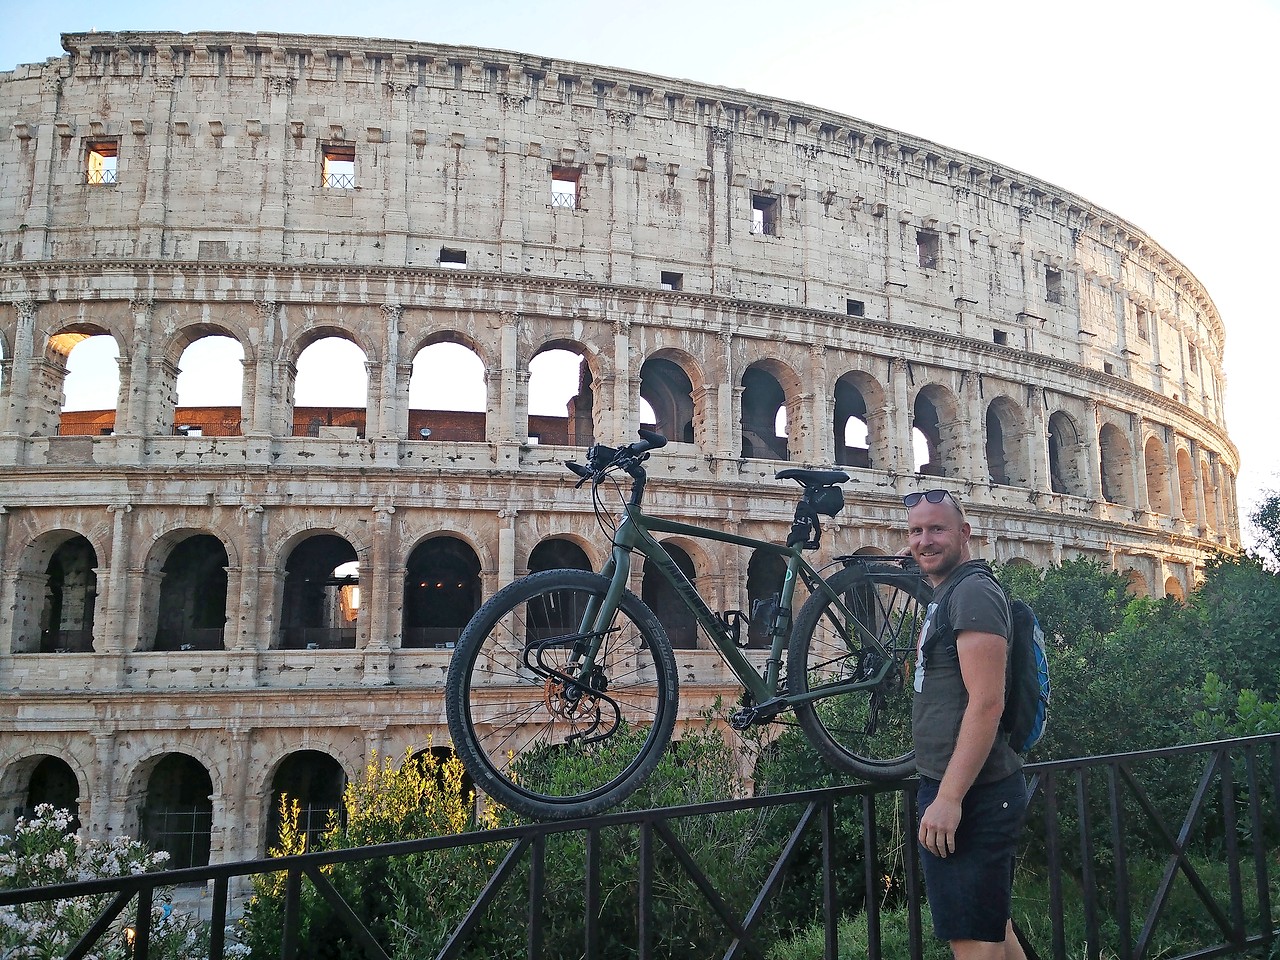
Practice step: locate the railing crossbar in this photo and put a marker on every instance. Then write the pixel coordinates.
(100, 925)
(699, 878)
(373, 950)
(499, 876)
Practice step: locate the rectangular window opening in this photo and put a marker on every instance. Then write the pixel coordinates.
(564, 187)
(1108, 367)
(1144, 325)
(855, 308)
(1001, 337)
(455, 259)
(1192, 359)
(764, 214)
(1053, 285)
(339, 169)
(928, 247)
(100, 162)
(672, 281)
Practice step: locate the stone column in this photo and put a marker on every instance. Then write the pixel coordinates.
(241, 843)
(110, 630)
(818, 442)
(1093, 454)
(244, 640)
(100, 818)
(507, 417)
(1037, 442)
(728, 421)
(15, 387)
(261, 398)
(135, 380)
(1137, 466)
(896, 421)
(375, 598)
(506, 571)
(620, 420)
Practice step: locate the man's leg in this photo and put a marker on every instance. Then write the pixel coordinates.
(1011, 949)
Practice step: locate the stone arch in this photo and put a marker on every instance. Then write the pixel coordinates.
(176, 789)
(870, 552)
(679, 622)
(456, 418)
(1173, 588)
(1187, 486)
(56, 594)
(316, 600)
(1116, 463)
(40, 775)
(1008, 462)
(859, 397)
(934, 413)
(769, 389)
(1067, 456)
(674, 395)
(185, 588)
(558, 552)
(335, 420)
(1137, 582)
(1156, 464)
(201, 419)
(315, 780)
(577, 427)
(50, 410)
(442, 590)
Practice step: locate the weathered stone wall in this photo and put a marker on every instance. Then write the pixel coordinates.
(1063, 351)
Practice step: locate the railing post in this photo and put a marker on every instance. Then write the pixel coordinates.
(1124, 920)
(591, 898)
(1261, 862)
(1055, 863)
(830, 899)
(292, 913)
(911, 868)
(871, 877)
(1226, 773)
(537, 878)
(1088, 879)
(645, 893)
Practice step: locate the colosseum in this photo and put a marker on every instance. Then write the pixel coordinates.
(203, 606)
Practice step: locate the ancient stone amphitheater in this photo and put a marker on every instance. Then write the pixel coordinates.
(202, 607)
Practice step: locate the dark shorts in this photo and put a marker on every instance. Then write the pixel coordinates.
(970, 890)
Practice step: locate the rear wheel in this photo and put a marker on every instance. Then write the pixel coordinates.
(866, 732)
(538, 733)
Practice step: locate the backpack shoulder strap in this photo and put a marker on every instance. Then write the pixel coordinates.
(941, 625)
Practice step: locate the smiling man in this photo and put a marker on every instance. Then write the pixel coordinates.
(972, 794)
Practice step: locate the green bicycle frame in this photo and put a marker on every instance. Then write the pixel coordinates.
(635, 533)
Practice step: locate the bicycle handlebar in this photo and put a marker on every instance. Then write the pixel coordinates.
(601, 459)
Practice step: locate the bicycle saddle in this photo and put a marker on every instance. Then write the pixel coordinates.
(812, 478)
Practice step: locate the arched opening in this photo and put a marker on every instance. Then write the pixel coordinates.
(560, 399)
(763, 415)
(1187, 487)
(1137, 583)
(177, 815)
(1007, 460)
(1066, 474)
(1173, 588)
(331, 390)
(435, 759)
(1117, 472)
(850, 426)
(210, 388)
(765, 574)
(315, 781)
(655, 590)
(84, 386)
(669, 392)
(53, 782)
(1155, 464)
(193, 596)
(441, 592)
(926, 425)
(447, 394)
(321, 599)
(71, 593)
(558, 554)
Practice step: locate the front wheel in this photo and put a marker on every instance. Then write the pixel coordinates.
(868, 731)
(540, 729)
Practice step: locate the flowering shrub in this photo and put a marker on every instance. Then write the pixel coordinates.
(41, 853)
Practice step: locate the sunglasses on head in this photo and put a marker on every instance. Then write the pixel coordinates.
(932, 496)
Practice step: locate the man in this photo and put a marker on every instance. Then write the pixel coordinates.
(972, 794)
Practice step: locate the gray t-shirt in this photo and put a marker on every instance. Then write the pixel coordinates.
(977, 603)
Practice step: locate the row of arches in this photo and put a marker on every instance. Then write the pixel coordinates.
(320, 593)
(172, 794)
(1005, 441)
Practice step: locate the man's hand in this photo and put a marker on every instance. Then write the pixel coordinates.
(938, 826)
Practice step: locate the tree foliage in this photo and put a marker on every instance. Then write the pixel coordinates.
(1266, 524)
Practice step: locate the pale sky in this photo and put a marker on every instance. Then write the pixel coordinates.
(1164, 113)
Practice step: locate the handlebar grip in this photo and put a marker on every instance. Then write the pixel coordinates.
(579, 469)
(650, 440)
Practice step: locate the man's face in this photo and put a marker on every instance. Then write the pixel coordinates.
(938, 538)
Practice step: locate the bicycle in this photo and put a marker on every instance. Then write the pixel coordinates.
(571, 661)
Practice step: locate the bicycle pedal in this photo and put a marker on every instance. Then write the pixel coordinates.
(742, 719)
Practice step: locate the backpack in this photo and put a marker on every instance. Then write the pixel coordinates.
(1027, 688)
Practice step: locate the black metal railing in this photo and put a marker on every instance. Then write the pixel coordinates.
(1111, 835)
